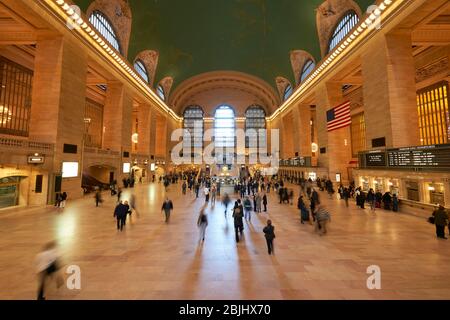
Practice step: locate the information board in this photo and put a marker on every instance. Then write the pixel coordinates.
(376, 159)
(420, 157)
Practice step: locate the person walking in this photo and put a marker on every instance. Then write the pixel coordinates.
(441, 221)
(258, 202)
(184, 187)
(62, 205)
(269, 234)
(167, 207)
(346, 195)
(395, 202)
(98, 198)
(206, 192)
(202, 223)
(119, 194)
(264, 201)
(247, 209)
(226, 202)
(213, 194)
(304, 213)
(133, 206)
(120, 213)
(371, 199)
(238, 220)
(57, 200)
(47, 263)
(323, 217)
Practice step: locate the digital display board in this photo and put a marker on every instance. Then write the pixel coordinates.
(427, 157)
(296, 162)
(420, 157)
(376, 159)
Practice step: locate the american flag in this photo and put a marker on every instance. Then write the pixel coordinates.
(339, 117)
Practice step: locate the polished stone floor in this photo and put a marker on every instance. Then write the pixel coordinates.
(152, 260)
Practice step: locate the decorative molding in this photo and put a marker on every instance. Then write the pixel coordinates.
(282, 83)
(432, 69)
(150, 59)
(119, 14)
(328, 15)
(298, 60)
(167, 84)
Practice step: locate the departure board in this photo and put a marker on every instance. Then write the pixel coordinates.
(426, 157)
(437, 156)
(376, 159)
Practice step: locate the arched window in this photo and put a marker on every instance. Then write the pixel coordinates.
(224, 126)
(141, 70)
(193, 123)
(102, 24)
(345, 25)
(307, 68)
(287, 92)
(255, 118)
(161, 93)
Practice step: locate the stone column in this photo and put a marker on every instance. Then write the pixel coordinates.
(117, 117)
(302, 118)
(337, 143)
(144, 125)
(58, 104)
(390, 105)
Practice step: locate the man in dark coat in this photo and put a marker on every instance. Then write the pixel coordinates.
(238, 214)
(440, 220)
(269, 234)
(120, 213)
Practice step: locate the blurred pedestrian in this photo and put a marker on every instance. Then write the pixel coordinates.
(269, 234)
(47, 266)
(167, 207)
(202, 223)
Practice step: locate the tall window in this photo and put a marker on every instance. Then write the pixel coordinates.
(93, 121)
(347, 23)
(255, 118)
(224, 125)
(193, 119)
(434, 121)
(307, 68)
(358, 130)
(141, 70)
(15, 98)
(102, 24)
(287, 92)
(161, 93)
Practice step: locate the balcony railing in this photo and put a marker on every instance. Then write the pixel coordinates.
(102, 152)
(25, 145)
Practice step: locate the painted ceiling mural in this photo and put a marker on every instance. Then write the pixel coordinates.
(197, 36)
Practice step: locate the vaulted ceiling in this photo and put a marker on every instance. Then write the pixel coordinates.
(250, 36)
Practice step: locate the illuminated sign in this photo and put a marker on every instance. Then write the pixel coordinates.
(70, 169)
(126, 167)
(36, 159)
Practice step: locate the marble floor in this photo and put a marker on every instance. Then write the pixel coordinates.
(152, 260)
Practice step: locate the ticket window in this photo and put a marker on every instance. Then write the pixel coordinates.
(365, 184)
(436, 193)
(412, 190)
(394, 187)
(379, 185)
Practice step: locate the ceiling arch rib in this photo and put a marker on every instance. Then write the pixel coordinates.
(224, 87)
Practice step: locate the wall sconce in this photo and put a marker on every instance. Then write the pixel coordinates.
(134, 138)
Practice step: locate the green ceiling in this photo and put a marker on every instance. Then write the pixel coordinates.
(196, 36)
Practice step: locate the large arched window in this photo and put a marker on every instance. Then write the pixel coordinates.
(161, 93)
(224, 126)
(255, 118)
(287, 92)
(141, 70)
(102, 24)
(345, 25)
(307, 69)
(193, 123)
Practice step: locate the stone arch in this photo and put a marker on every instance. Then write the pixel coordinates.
(150, 59)
(119, 14)
(282, 83)
(328, 15)
(298, 60)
